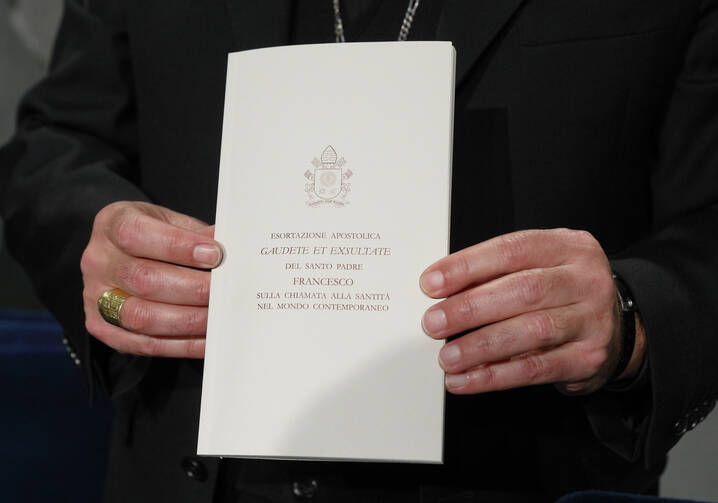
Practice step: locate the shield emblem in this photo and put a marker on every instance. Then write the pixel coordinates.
(327, 182)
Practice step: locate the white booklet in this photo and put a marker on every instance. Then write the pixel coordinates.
(334, 195)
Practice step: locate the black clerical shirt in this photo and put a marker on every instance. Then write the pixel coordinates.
(363, 20)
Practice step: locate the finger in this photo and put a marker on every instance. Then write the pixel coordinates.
(173, 217)
(560, 364)
(503, 255)
(516, 336)
(155, 318)
(141, 235)
(140, 344)
(501, 299)
(160, 281)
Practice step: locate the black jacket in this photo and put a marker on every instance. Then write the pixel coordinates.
(593, 114)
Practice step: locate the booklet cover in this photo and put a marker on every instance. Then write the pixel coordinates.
(334, 195)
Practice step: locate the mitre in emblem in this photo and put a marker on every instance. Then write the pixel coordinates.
(329, 156)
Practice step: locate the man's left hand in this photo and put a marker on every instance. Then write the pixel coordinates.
(537, 307)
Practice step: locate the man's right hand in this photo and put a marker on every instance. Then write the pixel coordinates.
(162, 258)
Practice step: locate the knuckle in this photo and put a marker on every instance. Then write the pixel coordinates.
(189, 347)
(137, 317)
(599, 283)
(126, 229)
(607, 288)
(589, 246)
(115, 206)
(105, 215)
(101, 218)
(461, 268)
(467, 309)
(109, 218)
(511, 247)
(542, 328)
(202, 288)
(607, 325)
(535, 368)
(531, 287)
(193, 348)
(595, 360)
(194, 321)
(564, 233)
(603, 320)
(140, 277)
(177, 241)
(198, 321)
(150, 346)
(483, 344)
(581, 237)
(576, 237)
(90, 301)
(87, 261)
(495, 343)
(486, 377)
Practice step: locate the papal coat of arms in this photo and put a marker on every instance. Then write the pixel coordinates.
(328, 184)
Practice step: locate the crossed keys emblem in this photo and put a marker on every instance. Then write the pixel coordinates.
(327, 184)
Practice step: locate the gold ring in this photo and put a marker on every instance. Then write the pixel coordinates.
(110, 303)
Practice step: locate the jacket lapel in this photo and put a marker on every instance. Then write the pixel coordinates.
(256, 24)
(472, 25)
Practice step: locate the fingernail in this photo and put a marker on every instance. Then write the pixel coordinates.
(456, 381)
(432, 281)
(450, 354)
(207, 255)
(433, 321)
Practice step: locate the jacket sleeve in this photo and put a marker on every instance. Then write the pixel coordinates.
(74, 152)
(673, 273)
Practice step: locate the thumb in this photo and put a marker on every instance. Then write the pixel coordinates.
(207, 231)
(174, 218)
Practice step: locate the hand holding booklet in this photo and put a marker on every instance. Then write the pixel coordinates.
(334, 195)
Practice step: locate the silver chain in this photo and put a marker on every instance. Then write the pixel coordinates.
(403, 31)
